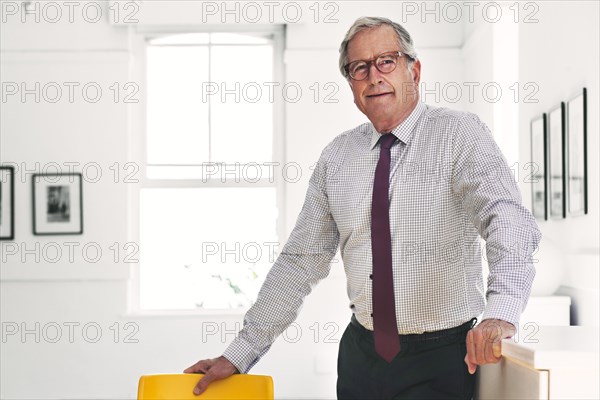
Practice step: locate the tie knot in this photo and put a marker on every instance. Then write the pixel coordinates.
(387, 140)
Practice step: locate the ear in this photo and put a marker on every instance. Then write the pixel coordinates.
(416, 71)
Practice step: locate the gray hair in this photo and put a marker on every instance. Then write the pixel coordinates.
(363, 23)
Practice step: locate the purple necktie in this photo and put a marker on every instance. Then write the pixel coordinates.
(387, 343)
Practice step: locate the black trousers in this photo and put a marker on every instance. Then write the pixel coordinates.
(429, 366)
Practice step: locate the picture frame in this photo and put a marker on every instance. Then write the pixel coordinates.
(557, 165)
(539, 165)
(577, 154)
(7, 203)
(57, 204)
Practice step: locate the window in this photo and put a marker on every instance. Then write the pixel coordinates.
(208, 202)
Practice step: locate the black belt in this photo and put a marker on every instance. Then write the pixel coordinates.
(446, 334)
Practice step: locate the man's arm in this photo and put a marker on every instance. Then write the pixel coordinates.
(491, 198)
(302, 263)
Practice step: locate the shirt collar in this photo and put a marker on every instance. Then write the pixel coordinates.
(403, 131)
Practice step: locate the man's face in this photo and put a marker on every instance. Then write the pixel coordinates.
(386, 99)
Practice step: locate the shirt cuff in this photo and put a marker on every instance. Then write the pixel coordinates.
(241, 355)
(503, 307)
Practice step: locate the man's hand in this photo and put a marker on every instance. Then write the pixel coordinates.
(484, 342)
(213, 370)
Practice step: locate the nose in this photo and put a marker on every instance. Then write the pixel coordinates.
(374, 75)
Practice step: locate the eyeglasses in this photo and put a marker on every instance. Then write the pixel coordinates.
(385, 63)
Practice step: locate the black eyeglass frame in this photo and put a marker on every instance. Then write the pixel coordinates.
(372, 61)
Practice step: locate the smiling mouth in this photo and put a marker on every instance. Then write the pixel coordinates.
(378, 95)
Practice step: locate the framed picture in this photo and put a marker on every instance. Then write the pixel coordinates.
(577, 154)
(7, 203)
(539, 165)
(57, 204)
(556, 150)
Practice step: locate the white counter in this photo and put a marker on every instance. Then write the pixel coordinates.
(550, 347)
(545, 362)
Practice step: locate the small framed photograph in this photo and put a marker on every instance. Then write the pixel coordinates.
(7, 203)
(57, 204)
(539, 166)
(557, 165)
(577, 154)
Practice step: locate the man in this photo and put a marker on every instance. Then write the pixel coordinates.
(405, 197)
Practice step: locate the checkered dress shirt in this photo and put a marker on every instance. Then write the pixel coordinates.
(449, 185)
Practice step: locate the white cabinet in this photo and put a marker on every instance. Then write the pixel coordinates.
(511, 380)
(556, 362)
(547, 359)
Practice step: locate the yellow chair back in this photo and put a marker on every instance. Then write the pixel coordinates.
(181, 387)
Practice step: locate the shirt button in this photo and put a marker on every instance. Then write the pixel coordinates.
(352, 306)
(371, 276)
(371, 315)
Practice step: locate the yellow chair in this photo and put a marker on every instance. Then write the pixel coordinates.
(181, 387)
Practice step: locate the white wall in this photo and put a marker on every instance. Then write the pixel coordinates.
(568, 255)
(560, 55)
(81, 292)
